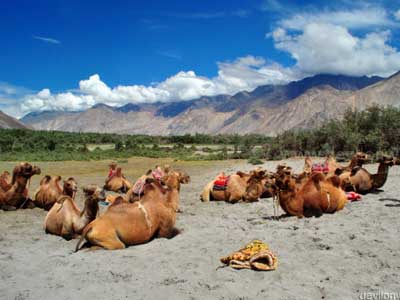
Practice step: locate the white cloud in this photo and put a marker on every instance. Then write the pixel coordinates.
(328, 48)
(245, 73)
(46, 39)
(397, 15)
(352, 19)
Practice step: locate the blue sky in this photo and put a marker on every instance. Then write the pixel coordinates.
(69, 55)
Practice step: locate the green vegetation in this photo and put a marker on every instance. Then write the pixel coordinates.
(374, 130)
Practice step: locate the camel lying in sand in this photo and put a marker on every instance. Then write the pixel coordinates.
(67, 220)
(239, 186)
(171, 178)
(125, 224)
(50, 190)
(361, 181)
(118, 183)
(17, 195)
(317, 196)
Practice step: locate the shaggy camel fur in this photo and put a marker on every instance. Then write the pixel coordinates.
(118, 183)
(5, 181)
(125, 224)
(50, 190)
(317, 196)
(67, 220)
(17, 195)
(361, 181)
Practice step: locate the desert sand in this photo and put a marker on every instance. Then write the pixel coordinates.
(337, 256)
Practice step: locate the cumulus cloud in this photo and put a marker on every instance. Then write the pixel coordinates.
(352, 19)
(245, 73)
(329, 48)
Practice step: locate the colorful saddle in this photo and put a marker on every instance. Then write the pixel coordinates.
(255, 255)
(221, 183)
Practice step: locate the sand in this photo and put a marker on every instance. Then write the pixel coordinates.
(337, 256)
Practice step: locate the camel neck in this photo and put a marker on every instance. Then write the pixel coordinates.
(379, 179)
(21, 183)
(91, 208)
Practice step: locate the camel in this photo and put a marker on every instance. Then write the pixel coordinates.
(125, 224)
(67, 220)
(17, 195)
(361, 181)
(5, 181)
(234, 192)
(317, 196)
(118, 183)
(358, 159)
(180, 177)
(50, 190)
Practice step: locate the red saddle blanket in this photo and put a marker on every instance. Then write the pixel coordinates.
(221, 183)
(320, 168)
(352, 196)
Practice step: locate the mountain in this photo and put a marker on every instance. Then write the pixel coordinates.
(268, 109)
(8, 122)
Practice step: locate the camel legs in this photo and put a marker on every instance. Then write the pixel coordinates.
(107, 240)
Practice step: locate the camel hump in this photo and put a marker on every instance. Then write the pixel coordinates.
(355, 170)
(317, 178)
(339, 171)
(240, 173)
(335, 180)
(119, 200)
(45, 179)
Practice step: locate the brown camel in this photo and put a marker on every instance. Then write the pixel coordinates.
(125, 224)
(67, 220)
(50, 190)
(317, 196)
(358, 159)
(361, 181)
(234, 192)
(17, 195)
(118, 183)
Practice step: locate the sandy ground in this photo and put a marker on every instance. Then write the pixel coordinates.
(336, 256)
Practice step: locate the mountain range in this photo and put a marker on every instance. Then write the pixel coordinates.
(7, 122)
(269, 109)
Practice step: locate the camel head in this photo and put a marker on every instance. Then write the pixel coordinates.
(360, 158)
(25, 170)
(387, 160)
(70, 187)
(284, 180)
(255, 186)
(174, 179)
(94, 192)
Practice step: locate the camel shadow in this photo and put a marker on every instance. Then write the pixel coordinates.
(391, 204)
(273, 218)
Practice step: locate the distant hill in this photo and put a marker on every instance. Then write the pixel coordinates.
(268, 109)
(8, 122)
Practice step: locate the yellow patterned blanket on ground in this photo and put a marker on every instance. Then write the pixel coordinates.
(255, 255)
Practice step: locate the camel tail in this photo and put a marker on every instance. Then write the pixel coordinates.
(87, 229)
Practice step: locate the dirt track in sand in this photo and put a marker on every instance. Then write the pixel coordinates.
(333, 257)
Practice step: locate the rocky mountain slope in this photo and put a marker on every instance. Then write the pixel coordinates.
(7, 122)
(268, 109)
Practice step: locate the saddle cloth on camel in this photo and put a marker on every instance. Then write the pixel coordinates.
(255, 255)
(138, 186)
(221, 183)
(320, 168)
